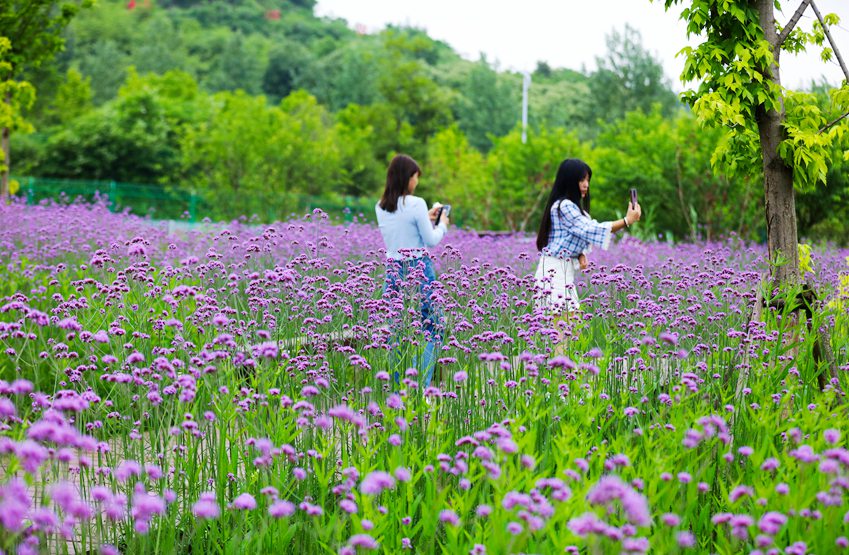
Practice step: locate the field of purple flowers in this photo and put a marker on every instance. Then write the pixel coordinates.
(229, 390)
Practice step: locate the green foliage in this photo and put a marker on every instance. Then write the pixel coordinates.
(562, 104)
(242, 16)
(73, 98)
(371, 96)
(105, 63)
(734, 69)
(487, 106)
(281, 149)
(100, 41)
(461, 177)
(669, 161)
(629, 78)
(346, 76)
(227, 171)
(523, 172)
(311, 166)
(288, 67)
(161, 46)
(31, 33)
(28, 150)
(34, 29)
(237, 62)
(118, 141)
(136, 137)
(368, 136)
(16, 95)
(822, 211)
(408, 85)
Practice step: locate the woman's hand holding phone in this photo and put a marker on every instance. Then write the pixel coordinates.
(439, 214)
(434, 210)
(443, 213)
(634, 211)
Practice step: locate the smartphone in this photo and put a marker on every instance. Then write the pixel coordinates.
(446, 208)
(633, 198)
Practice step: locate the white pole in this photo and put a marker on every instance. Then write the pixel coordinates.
(526, 83)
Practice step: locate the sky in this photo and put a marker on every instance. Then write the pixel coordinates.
(571, 33)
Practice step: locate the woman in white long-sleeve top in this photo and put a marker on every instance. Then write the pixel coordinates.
(407, 227)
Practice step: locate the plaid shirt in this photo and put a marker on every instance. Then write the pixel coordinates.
(572, 232)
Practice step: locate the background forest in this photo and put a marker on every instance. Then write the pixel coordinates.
(250, 103)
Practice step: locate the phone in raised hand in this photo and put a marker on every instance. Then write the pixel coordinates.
(446, 209)
(633, 198)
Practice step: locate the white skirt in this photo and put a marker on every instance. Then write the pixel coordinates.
(555, 284)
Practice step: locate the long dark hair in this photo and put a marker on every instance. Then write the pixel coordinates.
(569, 174)
(398, 175)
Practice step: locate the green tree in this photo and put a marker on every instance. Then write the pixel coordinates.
(160, 46)
(737, 66)
(18, 96)
(280, 151)
(228, 173)
(628, 78)
(347, 75)
(367, 138)
(100, 43)
(562, 104)
(406, 82)
(487, 106)
(523, 172)
(668, 160)
(459, 175)
(105, 64)
(135, 138)
(822, 210)
(239, 64)
(72, 98)
(560, 97)
(311, 162)
(288, 66)
(33, 29)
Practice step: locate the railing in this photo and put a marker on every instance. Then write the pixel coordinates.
(168, 203)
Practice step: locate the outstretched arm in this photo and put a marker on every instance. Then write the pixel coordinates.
(632, 217)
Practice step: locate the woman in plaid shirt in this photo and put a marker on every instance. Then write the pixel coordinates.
(566, 234)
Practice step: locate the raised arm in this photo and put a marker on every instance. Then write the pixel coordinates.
(631, 217)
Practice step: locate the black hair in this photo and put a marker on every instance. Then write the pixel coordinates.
(398, 175)
(570, 173)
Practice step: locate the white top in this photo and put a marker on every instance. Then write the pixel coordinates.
(408, 228)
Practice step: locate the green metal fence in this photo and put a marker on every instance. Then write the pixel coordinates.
(167, 203)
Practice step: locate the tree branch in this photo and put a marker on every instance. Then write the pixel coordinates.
(831, 41)
(793, 21)
(832, 124)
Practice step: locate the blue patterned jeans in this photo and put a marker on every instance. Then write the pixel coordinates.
(415, 276)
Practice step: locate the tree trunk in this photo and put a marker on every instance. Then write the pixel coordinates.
(780, 198)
